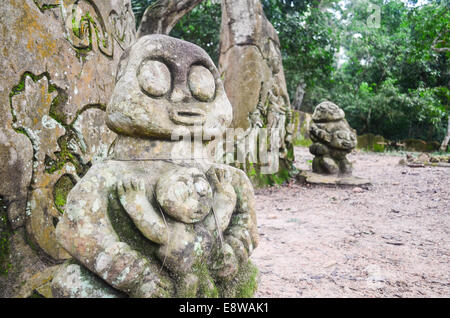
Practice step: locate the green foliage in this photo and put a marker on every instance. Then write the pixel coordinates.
(309, 38)
(139, 7)
(390, 76)
(391, 81)
(202, 27)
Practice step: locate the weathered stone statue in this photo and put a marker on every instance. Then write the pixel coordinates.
(251, 65)
(333, 139)
(150, 223)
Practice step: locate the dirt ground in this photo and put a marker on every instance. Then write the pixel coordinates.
(391, 239)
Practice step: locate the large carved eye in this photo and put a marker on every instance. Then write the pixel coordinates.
(154, 78)
(202, 83)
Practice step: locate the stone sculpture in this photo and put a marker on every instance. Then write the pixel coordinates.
(251, 65)
(150, 225)
(332, 138)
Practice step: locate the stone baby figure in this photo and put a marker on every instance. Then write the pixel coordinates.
(186, 196)
(142, 221)
(333, 139)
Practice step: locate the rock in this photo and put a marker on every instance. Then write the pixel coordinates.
(333, 139)
(74, 281)
(156, 220)
(58, 71)
(371, 142)
(423, 158)
(321, 179)
(420, 145)
(251, 64)
(434, 159)
(357, 190)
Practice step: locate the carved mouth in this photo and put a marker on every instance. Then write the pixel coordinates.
(188, 117)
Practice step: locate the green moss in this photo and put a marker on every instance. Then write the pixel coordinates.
(20, 87)
(248, 279)
(303, 142)
(5, 234)
(206, 286)
(57, 104)
(125, 228)
(35, 294)
(61, 190)
(45, 7)
(244, 285)
(65, 156)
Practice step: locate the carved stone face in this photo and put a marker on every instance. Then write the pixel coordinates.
(185, 194)
(163, 83)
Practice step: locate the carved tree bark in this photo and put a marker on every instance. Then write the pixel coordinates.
(161, 16)
(446, 140)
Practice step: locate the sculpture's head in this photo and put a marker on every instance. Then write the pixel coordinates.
(343, 139)
(327, 111)
(185, 194)
(163, 83)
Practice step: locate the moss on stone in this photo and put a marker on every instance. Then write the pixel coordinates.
(35, 294)
(244, 285)
(45, 7)
(61, 191)
(127, 231)
(5, 234)
(57, 105)
(248, 281)
(65, 156)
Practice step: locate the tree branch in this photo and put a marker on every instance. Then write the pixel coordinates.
(161, 16)
(436, 42)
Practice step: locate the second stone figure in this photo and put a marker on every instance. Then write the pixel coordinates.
(333, 139)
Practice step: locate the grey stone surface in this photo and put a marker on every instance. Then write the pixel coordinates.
(58, 68)
(74, 281)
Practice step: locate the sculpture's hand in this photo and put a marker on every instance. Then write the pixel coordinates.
(224, 201)
(217, 177)
(132, 194)
(242, 234)
(133, 197)
(221, 181)
(321, 134)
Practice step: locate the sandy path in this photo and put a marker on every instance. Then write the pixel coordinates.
(391, 240)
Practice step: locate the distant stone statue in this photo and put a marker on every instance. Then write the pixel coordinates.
(332, 138)
(148, 224)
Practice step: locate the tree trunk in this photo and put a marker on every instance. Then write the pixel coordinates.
(161, 16)
(444, 144)
(299, 94)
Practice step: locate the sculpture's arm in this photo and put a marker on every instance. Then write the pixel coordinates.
(87, 234)
(132, 196)
(224, 199)
(320, 134)
(242, 233)
(263, 99)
